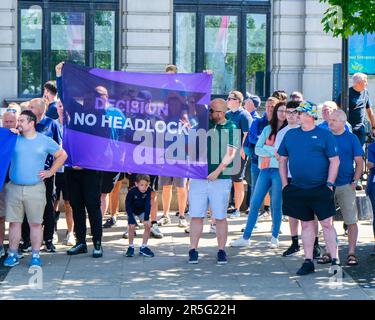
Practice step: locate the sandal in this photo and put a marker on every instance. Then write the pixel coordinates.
(324, 259)
(351, 260)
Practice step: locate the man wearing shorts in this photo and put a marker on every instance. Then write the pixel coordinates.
(214, 191)
(167, 183)
(349, 151)
(26, 191)
(310, 192)
(242, 120)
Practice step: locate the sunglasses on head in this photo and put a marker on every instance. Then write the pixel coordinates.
(11, 110)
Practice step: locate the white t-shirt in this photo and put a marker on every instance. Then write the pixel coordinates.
(279, 138)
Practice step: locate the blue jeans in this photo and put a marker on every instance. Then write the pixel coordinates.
(268, 178)
(254, 173)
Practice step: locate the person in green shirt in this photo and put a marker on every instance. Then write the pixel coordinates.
(223, 142)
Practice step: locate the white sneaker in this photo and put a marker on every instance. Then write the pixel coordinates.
(182, 223)
(235, 214)
(164, 220)
(2, 252)
(274, 243)
(70, 240)
(155, 232)
(212, 228)
(240, 242)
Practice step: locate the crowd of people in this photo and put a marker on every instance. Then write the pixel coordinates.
(292, 166)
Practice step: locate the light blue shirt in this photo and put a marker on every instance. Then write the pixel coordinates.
(29, 157)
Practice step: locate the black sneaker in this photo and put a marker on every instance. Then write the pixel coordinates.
(49, 247)
(193, 256)
(317, 252)
(97, 252)
(306, 268)
(222, 257)
(146, 251)
(291, 250)
(25, 247)
(130, 252)
(110, 222)
(77, 249)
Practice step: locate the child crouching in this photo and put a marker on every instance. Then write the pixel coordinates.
(138, 203)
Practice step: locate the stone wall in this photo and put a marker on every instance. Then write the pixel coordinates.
(146, 35)
(8, 49)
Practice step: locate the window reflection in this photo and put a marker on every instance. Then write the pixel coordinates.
(185, 41)
(256, 53)
(105, 40)
(67, 38)
(221, 52)
(31, 51)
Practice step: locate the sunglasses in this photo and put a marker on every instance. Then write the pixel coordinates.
(213, 111)
(292, 112)
(230, 98)
(11, 110)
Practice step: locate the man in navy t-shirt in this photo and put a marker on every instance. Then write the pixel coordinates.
(350, 151)
(359, 101)
(313, 163)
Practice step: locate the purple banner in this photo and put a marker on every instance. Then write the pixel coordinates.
(136, 122)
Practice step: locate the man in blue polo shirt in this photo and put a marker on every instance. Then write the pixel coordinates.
(26, 191)
(349, 151)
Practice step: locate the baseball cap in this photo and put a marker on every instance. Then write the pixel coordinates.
(254, 98)
(309, 108)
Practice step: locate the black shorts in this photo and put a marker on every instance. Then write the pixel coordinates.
(154, 181)
(241, 175)
(109, 180)
(61, 185)
(303, 204)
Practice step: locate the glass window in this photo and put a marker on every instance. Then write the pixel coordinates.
(185, 41)
(256, 53)
(220, 52)
(31, 51)
(67, 38)
(104, 46)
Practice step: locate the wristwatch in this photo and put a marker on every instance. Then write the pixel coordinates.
(330, 184)
(356, 181)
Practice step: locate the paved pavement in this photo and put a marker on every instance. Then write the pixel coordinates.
(251, 273)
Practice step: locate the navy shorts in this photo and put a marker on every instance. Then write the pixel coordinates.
(142, 217)
(303, 204)
(61, 185)
(109, 180)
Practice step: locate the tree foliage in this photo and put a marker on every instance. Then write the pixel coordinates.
(347, 17)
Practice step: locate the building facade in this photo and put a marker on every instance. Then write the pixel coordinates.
(253, 45)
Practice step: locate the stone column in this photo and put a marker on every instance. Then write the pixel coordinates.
(8, 49)
(322, 50)
(288, 41)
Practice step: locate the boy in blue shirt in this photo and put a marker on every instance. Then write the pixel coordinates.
(138, 203)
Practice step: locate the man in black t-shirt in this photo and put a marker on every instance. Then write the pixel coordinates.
(359, 101)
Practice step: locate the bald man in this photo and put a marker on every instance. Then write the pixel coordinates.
(50, 128)
(9, 121)
(214, 191)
